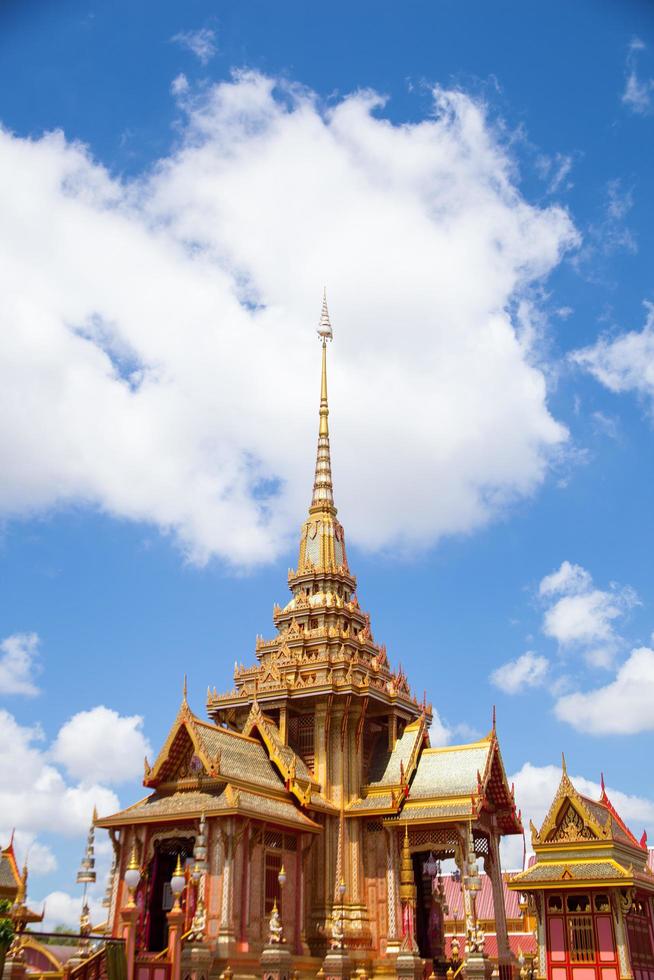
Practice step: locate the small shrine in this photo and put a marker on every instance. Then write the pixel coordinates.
(590, 889)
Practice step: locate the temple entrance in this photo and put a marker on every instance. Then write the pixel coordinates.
(430, 920)
(159, 898)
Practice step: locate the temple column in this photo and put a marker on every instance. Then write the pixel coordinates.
(245, 888)
(408, 964)
(541, 933)
(128, 916)
(461, 858)
(393, 937)
(226, 936)
(503, 947)
(175, 920)
(621, 938)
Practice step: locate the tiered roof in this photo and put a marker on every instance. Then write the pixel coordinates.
(324, 649)
(584, 842)
(10, 877)
(206, 769)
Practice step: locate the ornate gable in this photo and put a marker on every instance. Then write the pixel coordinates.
(571, 826)
(183, 755)
(568, 819)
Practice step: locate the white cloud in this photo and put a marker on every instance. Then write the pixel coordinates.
(19, 664)
(608, 235)
(40, 857)
(624, 363)
(158, 358)
(638, 93)
(34, 796)
(439, 732)
(101, 746)
(556, 170)
(201, 43)
(535, 787)
(583, 617)
(179, 85)
(623, 707)
(568, 580)
(63, 909)
(528, 670)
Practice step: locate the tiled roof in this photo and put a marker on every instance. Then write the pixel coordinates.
(242, 759)
(435, 809)
(379, 801)
(548, 871)
(449, 771)
(524, 942)
(195, 802)
(485, 906)
(385, 767)
(9, 875)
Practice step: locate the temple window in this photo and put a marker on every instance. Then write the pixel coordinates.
(554, 903)
(313, 624)
(581, 938)
(578, 903)
(273, 892)
(301, 737)
(602, 903)
(638, 935)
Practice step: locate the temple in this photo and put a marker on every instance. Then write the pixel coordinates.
(309, 804)
(301, 829)
(590, 888)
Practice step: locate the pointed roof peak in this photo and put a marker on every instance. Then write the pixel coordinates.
(323, 491)
(324, 326)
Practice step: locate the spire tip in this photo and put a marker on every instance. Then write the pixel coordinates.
(324, 326)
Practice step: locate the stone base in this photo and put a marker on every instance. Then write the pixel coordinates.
(14, 970)
(276, 962)
(408, 965)
(337, 965)
(477, 967)
(196, 961)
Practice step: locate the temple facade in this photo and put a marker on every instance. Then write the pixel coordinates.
(308, 804)
(590, 888)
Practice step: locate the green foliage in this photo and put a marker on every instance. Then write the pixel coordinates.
(6, 925)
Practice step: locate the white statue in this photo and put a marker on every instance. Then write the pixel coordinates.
(338, 933)
(275, 927)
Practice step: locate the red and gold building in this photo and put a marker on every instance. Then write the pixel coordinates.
(311, 787)
(590, 888)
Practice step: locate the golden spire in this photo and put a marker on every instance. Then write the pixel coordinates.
(323, 491)
(322, 545)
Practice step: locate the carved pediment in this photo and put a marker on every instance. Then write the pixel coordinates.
(571, 827)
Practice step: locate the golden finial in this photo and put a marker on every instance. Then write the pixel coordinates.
(133, 864)
(184, 690)
(179, 870)
(564, 768)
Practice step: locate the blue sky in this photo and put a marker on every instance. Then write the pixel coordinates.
(486, 237)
